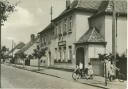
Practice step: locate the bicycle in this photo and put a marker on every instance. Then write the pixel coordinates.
(120, 76)
(77, 74)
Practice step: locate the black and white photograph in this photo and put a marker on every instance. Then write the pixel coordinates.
(63, 44)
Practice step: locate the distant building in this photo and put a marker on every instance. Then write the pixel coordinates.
(16, 48)
(28, 48)
(82, 31)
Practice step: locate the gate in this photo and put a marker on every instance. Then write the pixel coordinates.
(98, 66)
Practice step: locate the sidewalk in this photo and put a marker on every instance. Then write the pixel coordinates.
(97, 81)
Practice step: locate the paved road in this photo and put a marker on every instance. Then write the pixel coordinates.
(18, 78)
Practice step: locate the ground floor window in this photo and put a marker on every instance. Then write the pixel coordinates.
(70, 53)
(63, 54)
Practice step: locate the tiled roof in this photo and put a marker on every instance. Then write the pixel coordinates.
(91, 35)
(47, 27)
(96, 6)
(120, 6)
(18, 46)
(89, 4)
(27, 46)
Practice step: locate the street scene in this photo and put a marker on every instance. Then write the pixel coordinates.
(63, 44)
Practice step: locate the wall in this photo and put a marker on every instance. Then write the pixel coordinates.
(121, 32)
(43, 62)
(70, 40)
(99, 23)
(30, 51)
(94, 50)
(82, 24)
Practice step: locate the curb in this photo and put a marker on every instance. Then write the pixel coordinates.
(104, 87)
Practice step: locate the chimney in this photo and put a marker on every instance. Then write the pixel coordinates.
(32, 37)
(68, 4)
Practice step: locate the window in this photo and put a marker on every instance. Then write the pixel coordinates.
(56, 29)
(56, 54)
(65, 25)
(59, 29)
(45, 39)
(70, 24)
(64, 50)
(60, 51)
(70, 54)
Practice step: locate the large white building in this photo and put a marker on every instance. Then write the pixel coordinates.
(82, 31)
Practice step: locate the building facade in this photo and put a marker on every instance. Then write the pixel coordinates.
(80, 33)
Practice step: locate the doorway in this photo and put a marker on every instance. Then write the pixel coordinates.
(80, 56)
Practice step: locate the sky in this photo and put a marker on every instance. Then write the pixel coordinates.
(30, 17)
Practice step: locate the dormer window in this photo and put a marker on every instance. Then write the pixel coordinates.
(68, 4)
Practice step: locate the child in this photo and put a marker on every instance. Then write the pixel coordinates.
(90, 70)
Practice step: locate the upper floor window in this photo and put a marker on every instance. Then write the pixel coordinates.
(55, 30)
(59, 29)
(45, 39)
(70, 24)
(65, 24)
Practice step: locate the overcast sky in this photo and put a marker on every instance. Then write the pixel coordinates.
(31, 16)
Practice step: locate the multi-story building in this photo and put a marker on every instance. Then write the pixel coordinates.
(82, 31)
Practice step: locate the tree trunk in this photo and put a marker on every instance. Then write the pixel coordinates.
(23, 62)
(38, 64)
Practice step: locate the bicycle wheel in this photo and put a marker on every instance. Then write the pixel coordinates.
(121, 77)
(75, 76)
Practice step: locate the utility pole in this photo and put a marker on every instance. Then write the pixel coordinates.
(114, 49)
(51, 13)
(12, 49)
(0, 48)
(114, 32)
(51, 30)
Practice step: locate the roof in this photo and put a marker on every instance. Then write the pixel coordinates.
(18, 46)
(120, 6)
(27, 46)
(89, 4)
(95, 6)
(91, 36)
(47, 27)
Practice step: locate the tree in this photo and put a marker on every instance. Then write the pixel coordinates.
(3, 53)
(5, 9)
(38, 53)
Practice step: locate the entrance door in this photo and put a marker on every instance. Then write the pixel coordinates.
(80, 56)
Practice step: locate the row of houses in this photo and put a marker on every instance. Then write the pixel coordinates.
(81, 32)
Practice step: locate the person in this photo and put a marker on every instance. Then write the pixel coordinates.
(113, 69)
(86, 69)
(77, 69)
(108, 68)
(81, 68)
(90, 70)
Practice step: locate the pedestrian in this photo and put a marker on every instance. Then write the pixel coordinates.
(112, 72)
(81, 68)
(86, 69)
(108, 68)
(90, 70)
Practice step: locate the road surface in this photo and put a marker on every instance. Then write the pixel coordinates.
(18, 78)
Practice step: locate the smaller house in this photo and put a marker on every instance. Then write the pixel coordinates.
(15, 50)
